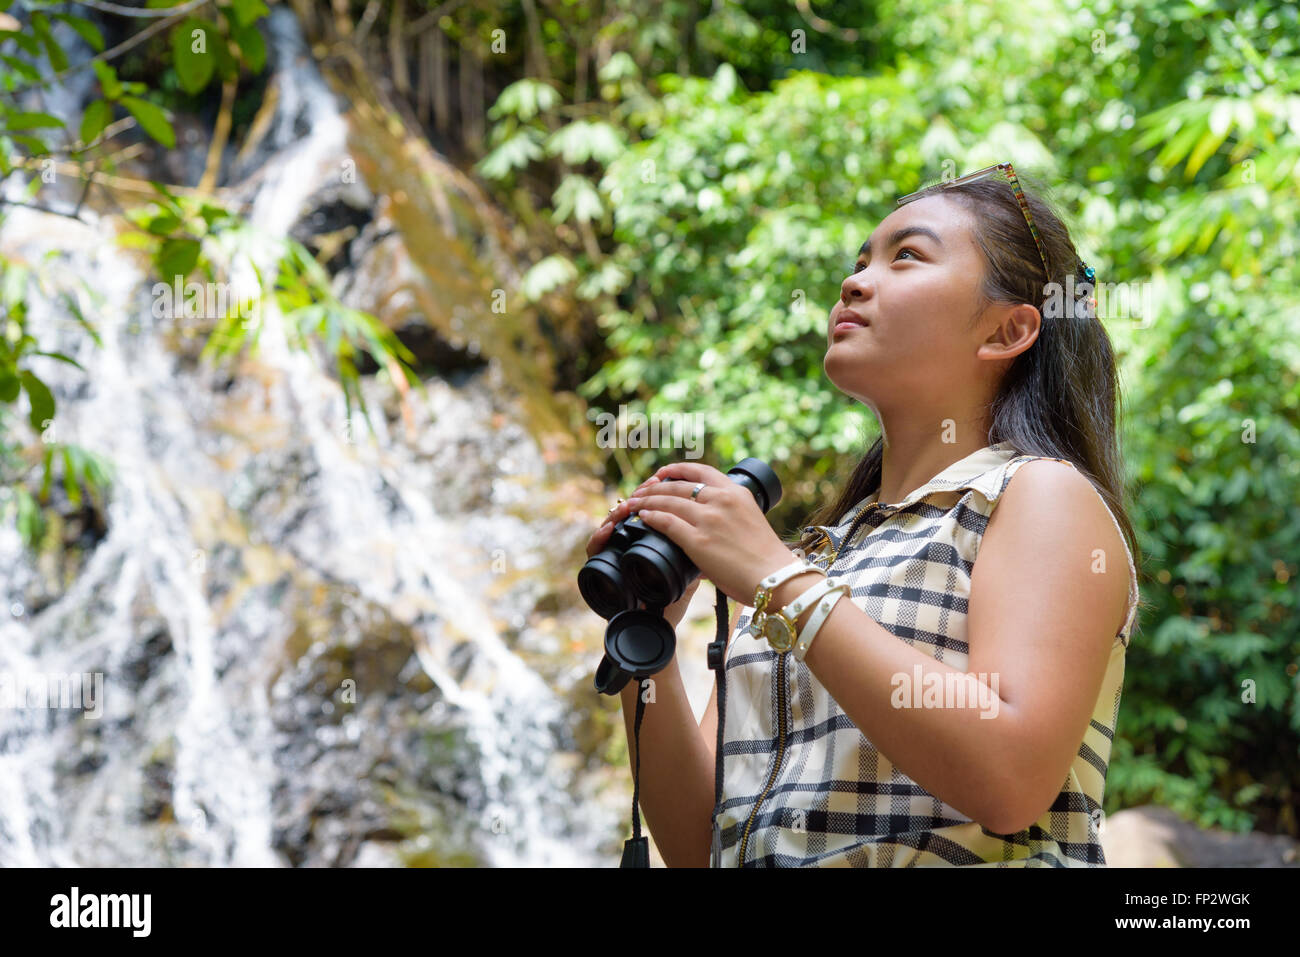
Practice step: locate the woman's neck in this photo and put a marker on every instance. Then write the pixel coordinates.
(913, 457)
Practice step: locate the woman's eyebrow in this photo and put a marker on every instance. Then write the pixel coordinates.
(898, 235)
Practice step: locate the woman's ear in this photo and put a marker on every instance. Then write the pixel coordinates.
(1014, 329)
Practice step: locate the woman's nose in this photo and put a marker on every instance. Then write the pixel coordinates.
(854, 286)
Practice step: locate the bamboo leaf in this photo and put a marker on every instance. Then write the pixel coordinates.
(42, 402)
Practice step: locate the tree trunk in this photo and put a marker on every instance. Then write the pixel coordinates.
(397, 48)
(438, 67)
(465, 71)
(424, 82)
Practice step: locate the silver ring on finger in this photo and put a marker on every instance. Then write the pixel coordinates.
(696, 491)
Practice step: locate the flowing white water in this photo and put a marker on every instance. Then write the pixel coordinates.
(228, 513)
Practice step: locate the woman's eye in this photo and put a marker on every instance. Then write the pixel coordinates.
(859, 266)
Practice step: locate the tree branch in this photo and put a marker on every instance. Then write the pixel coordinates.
(220, 134)
(46, 209)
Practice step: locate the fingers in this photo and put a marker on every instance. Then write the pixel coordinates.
(665, 501)
(674, 526)
(693, 472)
(597, 541)
(620, 511)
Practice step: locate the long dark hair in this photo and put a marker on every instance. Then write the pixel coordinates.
(1060, 397)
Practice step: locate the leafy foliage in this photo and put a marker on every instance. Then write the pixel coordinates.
(741, 197)
(182, 235)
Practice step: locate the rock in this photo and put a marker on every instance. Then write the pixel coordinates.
(1153, 836)
(371, 854)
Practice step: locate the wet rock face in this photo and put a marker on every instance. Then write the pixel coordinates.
(367, 748)
(321, 647)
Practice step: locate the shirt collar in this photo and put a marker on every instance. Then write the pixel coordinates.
(979, 470)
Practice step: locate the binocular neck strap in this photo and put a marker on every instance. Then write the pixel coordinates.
(718, 663)
(636, 850)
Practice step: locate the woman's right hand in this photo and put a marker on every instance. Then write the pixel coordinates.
(601, 536)
(673, 613)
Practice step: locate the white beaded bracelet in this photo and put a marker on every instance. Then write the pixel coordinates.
(835, 590)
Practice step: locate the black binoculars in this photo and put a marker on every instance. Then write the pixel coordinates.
(639, 564)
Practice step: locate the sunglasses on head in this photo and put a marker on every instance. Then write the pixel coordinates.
(983, 174)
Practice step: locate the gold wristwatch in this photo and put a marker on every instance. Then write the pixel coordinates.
(775, 626)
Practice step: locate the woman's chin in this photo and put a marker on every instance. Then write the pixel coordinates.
(854, 380)
(844, 356)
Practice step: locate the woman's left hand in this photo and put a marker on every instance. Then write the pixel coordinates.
(722, 530)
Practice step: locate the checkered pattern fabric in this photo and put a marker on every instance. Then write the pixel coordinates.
(804, 787)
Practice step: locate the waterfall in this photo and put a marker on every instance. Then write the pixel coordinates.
(310, 654)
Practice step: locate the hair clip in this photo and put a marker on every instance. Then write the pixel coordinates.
(1088, 274)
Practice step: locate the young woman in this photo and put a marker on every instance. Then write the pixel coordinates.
(957, 705)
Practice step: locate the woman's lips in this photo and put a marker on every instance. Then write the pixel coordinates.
(844, 325)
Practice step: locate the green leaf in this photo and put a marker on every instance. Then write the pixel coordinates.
(107, 79)
(22, 67)
(34, 145)
(617, 67)
(74, 309)
(177, 257)
(42, 401)
(31, 525)
(524, 99)
(41, 27)
(97, 116)
(211, 215)
(163, 224)
(193, 67)
(550, 273)
(576, 197)
(60, 356)
(49, 473)
(151, 119)
(515, 153)
(70, 478)
(227, 65)
(252, 46)
(246, 11)
(9, 384)
(87, 30)
(27, 43)
(30, 121)
(582, 140)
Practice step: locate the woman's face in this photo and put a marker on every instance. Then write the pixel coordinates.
(915, 285)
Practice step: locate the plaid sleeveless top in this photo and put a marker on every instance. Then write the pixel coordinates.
(803, 787)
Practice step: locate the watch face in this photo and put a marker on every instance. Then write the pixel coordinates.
(778, 634)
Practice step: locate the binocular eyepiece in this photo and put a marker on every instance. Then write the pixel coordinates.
(639, 564)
